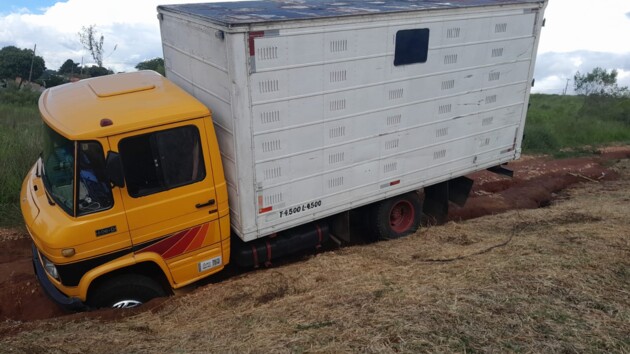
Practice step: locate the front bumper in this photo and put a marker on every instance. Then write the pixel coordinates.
(68, 303)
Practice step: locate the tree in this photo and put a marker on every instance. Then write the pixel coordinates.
(51, 78)
(94, 71)
(155, 64)
(15, 62)
(93, 43)
(599, 82)
(69, 67)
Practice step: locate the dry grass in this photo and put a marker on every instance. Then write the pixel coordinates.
(561, 284)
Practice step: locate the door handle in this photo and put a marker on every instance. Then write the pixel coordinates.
(208, 203)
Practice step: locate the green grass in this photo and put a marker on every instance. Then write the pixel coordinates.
(20, 141)
(563, 125)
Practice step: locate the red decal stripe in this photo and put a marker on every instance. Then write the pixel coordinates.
(394, 183)
(264, 210)
(252, 35)
(199, 238)
(183, 243)
(165, 244)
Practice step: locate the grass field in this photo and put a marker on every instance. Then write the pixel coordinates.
(554, 124)
(20, 139)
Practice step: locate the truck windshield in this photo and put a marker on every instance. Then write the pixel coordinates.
(92, 193)
(58, 158)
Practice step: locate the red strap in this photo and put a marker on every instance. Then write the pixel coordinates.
(268, 263)
(255, 253)
(319, 234)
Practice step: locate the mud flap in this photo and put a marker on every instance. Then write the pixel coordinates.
(437, 197)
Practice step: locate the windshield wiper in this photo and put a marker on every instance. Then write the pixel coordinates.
(50, 201)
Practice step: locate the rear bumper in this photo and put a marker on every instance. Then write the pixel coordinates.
(68, 303)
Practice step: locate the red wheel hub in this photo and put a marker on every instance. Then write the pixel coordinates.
(401, 216)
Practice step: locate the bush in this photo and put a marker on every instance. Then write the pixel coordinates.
(13, 95)
(540, 139)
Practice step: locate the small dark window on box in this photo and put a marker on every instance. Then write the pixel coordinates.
(412, 46)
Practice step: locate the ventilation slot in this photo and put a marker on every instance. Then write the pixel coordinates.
(445, 108)
(269, 146)
(338, 76)
(453, 32)
(500, 28)
(336, 158)
(273, 172)
(267, 53)
(269, 117)
(340, 45)
(491, 99)
(439, 154)
(450, 59)
(441, 132)
(447, 85)
(487, 121)
(268, 86)
(337, 105)
(495, 76)
(395, 94)
(394, 120)
(392, 144)
(273, 199)
(390, 167)
(497, 52)
(484, 142)
(337, 132)
(335, 182)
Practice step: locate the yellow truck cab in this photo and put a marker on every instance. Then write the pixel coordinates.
(110, 238)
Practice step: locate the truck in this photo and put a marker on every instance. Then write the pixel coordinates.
(279, 125)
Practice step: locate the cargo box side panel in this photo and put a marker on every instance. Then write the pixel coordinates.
(336, 124)
(196, 59)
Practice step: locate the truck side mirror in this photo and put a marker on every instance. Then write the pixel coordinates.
(114, 167)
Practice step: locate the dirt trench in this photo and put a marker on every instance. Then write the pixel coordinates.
(536, 183)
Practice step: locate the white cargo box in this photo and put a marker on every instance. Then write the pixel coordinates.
(323, 106)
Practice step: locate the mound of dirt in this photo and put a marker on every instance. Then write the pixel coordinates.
(21, 297)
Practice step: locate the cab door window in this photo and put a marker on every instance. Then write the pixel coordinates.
(162, 160)
(94, 192)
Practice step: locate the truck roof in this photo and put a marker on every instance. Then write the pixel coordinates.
(132, 101)
(243, 13)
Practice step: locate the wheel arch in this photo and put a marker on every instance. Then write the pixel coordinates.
(150, 265)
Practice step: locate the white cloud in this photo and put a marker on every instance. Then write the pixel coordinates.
(600, 26)
(579, 35)
(131, 25)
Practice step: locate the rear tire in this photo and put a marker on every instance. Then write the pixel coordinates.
(125, 291)
(398, 216)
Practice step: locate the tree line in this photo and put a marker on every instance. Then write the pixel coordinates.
(20, 64)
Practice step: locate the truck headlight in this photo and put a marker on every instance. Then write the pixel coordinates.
(50, 268)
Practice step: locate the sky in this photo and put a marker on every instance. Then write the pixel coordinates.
(579, 34)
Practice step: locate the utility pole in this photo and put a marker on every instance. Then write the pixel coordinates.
(564, 93)
(30, 74)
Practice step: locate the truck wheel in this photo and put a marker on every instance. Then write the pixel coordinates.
(125, 291)
(398, 216)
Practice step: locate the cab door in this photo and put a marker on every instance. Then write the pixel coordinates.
(170, 198)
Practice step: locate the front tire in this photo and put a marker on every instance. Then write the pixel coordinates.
(398, 216)
(125, 291)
